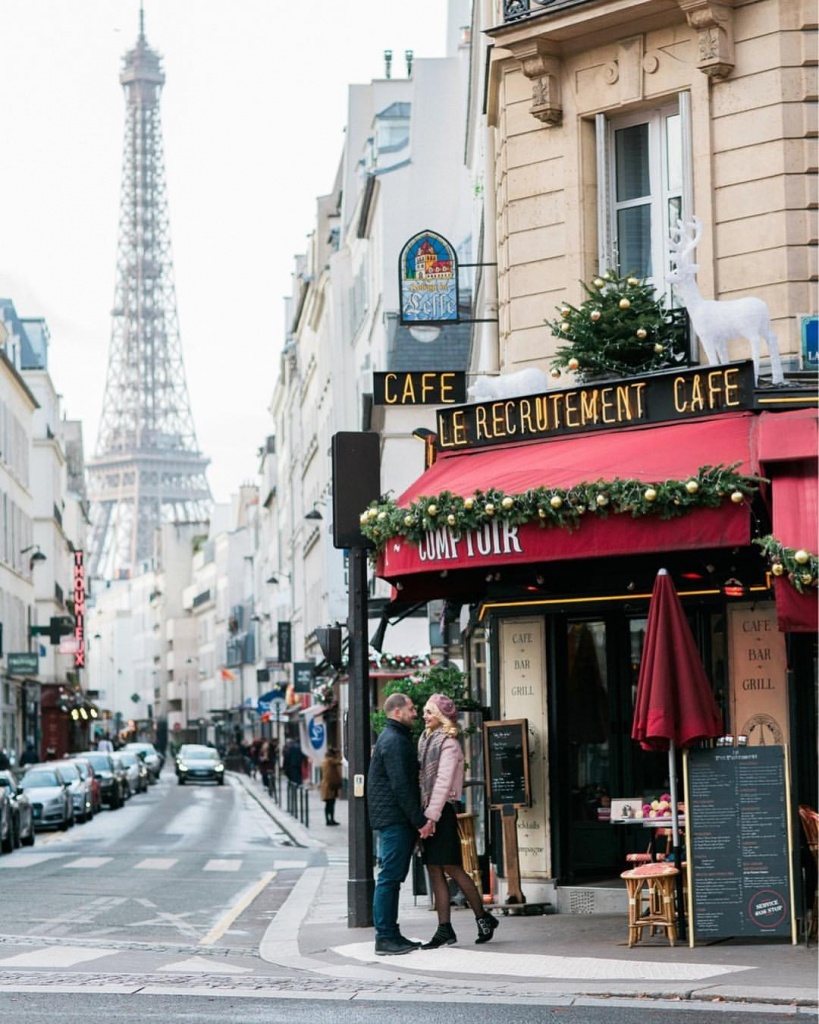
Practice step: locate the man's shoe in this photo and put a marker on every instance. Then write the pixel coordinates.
(413, 942)
(394, 947)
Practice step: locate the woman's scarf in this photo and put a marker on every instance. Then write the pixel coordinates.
(429, 754)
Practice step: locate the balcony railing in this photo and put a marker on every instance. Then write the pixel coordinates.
(517, 10)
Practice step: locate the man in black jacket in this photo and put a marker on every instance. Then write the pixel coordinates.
(394, 806)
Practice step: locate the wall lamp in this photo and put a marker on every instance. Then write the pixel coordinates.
(275, 576)
(314, 512)
(37, 556)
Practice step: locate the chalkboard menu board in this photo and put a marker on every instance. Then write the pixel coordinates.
(739, 861)
(507, 763)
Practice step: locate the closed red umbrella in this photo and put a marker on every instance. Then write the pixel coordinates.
(675, 706)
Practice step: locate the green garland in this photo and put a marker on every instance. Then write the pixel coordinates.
(556, 506)
(799, 566)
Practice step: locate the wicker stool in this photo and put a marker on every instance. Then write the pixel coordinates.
(651, 901)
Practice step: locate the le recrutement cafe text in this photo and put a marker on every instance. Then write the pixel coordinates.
(543, 521)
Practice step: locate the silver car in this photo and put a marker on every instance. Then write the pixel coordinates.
(80, 788)
(136, 770)
(150, 755)
(50, 797)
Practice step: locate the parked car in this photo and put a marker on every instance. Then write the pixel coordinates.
(80, 789)
(112, 783)
(135, 769)
(21, 805)
(50, 796)
(199, 764)
(87, 772)
(128, 789)
(6, 822)
(150, 755)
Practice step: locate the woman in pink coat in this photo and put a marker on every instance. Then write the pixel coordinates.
(441, 762)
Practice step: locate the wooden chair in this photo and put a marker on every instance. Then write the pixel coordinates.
(810, 826)
(651, 901)
(653, 853)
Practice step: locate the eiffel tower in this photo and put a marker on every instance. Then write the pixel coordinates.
(147, 469)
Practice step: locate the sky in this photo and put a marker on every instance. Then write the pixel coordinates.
(253, 114)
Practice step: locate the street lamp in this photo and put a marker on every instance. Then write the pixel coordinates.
(38, 555)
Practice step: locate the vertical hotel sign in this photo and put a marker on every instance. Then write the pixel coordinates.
(79, 609)
(428, 280)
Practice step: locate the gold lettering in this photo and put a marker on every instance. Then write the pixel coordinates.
(556, 401)
(542, 411)
(680, 401)
(526, 425)
(589, 402)
(624, 403)
(715, 380)
(428, 381)
(509, 410)
(388, 397)
(607, 406)
(571, 409)
(447, 385)
(481, 429)
(497, 419)
(697, 397)
(731, 387)
(408, 396)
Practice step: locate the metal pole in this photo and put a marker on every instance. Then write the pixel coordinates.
(360, 884)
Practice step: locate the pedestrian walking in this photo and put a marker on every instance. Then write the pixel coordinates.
(394, 807)
(293, 762)
(29, 755)
(330, 784)
(441, 762)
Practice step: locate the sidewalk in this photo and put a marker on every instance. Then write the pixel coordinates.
(558, 954)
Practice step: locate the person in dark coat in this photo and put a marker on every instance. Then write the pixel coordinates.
(29, 755)
(293, 762)
(394, 807)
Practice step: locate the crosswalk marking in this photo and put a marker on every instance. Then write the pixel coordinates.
(27, 860)
(199, 965)
(222, 865)
(55, 956)
(88, 862)
(156, 863)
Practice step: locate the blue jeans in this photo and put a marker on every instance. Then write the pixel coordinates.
(396, 843)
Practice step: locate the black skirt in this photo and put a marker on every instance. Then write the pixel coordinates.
(444, 847)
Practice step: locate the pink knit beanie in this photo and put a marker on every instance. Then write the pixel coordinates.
(446, 705)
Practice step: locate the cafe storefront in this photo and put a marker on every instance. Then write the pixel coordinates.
(546, 518)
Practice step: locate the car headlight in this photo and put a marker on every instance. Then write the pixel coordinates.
(52, 803)
(220, 767)
(182, 767)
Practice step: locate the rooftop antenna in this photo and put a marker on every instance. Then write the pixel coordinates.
(388, 63)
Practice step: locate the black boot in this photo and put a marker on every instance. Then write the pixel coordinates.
(486, 928)
(444, 936)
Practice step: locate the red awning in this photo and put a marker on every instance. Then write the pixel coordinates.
(652, 454)
(787, 445)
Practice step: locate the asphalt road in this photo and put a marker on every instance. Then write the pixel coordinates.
(156, 911)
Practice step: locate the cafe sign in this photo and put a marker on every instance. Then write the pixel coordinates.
(419, 387)
(678, 395)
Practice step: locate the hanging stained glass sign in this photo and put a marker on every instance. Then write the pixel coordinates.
(428, 280)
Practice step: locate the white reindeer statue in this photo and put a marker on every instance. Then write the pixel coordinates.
(719, 321)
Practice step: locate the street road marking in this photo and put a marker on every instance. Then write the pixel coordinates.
(55, 956)
(222, 926)
(156, 863)
(222, 865)
(201, 965)
(88, 862)
(283, 865)
(534, 965)
(27, 860)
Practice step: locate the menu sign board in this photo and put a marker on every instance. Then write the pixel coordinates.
(507, 763)
(738, 850)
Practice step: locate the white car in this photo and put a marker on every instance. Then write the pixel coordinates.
(80, 789)
(150, 755)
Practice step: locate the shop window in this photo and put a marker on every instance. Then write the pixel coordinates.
(644, 179)
(588, 721)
